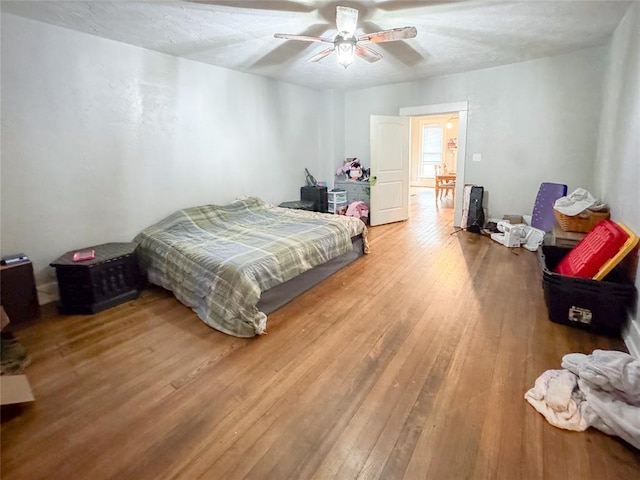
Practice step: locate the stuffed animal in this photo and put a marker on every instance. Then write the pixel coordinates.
(344, 169)
(355, 172)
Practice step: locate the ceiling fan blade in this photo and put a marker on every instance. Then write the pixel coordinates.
(346, 20)
(275, 5)
(303, 38)
(401, 51)
(368, 54)
(391, 35)
(319, 56)
(285, 51)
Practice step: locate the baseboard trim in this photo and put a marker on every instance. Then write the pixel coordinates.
(48, 293)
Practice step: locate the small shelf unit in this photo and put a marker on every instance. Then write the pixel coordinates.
(336, 200)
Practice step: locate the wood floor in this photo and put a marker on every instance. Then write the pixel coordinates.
(410, 363)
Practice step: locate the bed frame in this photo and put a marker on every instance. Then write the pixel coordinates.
(277, 296)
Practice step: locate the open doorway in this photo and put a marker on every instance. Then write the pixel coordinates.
(458, 109)
(434, 156)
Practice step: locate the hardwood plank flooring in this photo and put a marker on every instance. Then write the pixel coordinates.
(410, 363)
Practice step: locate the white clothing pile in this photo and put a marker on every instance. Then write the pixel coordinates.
(601, 390)
(577, 202)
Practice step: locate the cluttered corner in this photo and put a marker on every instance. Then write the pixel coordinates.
(588, 261)
(351, 193)
(586, 286)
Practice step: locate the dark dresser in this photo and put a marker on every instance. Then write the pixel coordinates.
(89, 286)
(356, 191)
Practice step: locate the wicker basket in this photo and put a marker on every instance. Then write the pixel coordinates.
(582, 222)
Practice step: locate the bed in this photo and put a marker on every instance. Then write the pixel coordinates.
(233, 264)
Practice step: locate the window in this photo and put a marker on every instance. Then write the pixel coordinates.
(432, 136)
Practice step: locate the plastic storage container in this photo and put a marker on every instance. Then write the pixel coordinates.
(337, 199)
(600, 306)
(597, 253)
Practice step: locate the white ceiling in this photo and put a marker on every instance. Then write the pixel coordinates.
(453, 36)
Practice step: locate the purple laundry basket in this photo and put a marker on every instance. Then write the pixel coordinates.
(543, 216)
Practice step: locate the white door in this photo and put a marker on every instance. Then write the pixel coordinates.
(390, 169)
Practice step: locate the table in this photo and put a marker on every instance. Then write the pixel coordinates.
(445, 182)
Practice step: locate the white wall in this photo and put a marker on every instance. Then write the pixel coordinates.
(101, 139)
(331, 136)
(533, 122)
(617, 173)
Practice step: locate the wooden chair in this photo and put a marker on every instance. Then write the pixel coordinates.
(445, 183)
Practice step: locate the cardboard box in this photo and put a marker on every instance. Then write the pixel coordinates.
(15, 389)
(513, 219)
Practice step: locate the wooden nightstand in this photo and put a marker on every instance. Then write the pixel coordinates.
(18, 292)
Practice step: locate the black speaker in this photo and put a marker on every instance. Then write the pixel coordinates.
(319, 197)
(475, 220)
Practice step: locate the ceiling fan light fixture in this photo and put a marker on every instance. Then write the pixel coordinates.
(346, 44)
(346, 21)
(345, 49)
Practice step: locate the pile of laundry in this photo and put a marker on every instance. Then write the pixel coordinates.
(357, 209)
(601, 390)
(578, 202)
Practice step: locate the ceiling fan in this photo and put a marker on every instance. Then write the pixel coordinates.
(346, 44)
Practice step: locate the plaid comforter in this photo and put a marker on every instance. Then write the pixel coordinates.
(218, 259)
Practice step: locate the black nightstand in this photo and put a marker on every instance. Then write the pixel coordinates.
(317, 195)
(89, 286)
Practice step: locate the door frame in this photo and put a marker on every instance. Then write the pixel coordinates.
(461, 109)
